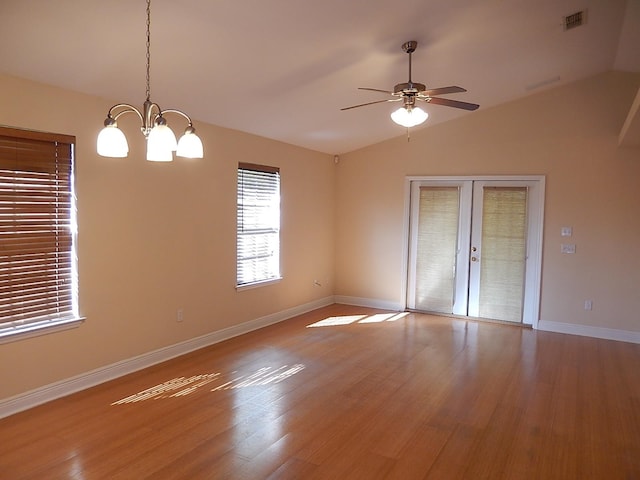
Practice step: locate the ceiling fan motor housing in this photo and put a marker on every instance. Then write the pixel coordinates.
(409, 88)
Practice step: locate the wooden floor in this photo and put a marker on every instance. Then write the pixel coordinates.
(358, 395)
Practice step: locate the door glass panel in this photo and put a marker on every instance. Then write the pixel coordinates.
(502, 260)
(437, 240)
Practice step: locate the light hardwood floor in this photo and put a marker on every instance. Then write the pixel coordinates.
(360, 395)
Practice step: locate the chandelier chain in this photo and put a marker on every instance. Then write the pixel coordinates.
(148, 49)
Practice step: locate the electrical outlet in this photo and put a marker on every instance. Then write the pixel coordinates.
(588, 304)
(568, 248)
(179, 315)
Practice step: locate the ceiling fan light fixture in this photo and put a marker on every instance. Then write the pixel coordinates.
(409, 116)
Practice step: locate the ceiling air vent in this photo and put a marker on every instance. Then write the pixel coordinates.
(575, 20)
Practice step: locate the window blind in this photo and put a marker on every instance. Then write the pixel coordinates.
(36, 238)
(258, 229)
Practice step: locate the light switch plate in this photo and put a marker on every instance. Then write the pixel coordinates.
(568, 248)
(566, 231)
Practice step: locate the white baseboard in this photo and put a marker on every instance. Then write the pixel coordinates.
(588, 331)
(546, 325)
(44, 394)
(368, 302)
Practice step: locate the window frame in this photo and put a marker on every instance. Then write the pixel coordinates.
(21, 145)
(271, 175)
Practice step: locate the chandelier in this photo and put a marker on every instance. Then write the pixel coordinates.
(161, 141)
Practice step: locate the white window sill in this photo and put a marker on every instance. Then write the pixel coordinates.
(263, 283)
(15, 333)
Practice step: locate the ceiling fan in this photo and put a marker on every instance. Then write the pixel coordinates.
(409, 115)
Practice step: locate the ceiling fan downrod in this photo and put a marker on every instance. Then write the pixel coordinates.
(410, 47)
(409, 88)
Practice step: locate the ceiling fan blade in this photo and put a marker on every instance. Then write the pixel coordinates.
(443, 91)
(371, 103)
(376, 90)
(451, 103)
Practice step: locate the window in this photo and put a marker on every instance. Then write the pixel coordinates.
(37, 230)
(258, 235)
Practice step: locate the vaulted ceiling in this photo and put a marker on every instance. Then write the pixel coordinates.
(282, 69)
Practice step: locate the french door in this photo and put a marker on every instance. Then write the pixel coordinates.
(475, 247)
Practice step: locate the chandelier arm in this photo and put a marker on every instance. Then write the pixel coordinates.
(179, 112)
(126, 109)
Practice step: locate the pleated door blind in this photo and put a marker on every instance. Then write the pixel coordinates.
(258, 228)
(504, 223)
(437, 247)
(36, 239)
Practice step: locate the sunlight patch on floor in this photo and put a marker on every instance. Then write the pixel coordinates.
(183, 386)
(383, 317)
(349, 319)
(176, 387)
(341, 320)
(263, 376)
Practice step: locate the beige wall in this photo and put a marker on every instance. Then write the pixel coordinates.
(157, 237)
(569, 134)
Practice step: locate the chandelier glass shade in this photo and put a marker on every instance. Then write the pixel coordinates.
(161, 141)
(112, 142)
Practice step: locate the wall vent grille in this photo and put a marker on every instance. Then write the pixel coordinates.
(575, 20)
